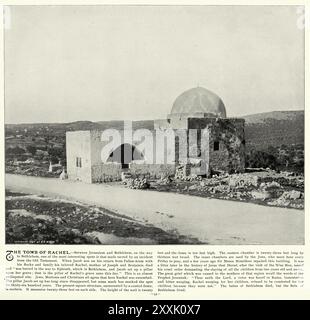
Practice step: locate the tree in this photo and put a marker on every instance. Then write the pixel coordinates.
(32, 149)
(15, 150)
(261, 159)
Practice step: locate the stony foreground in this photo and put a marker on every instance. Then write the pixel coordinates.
(265, 187)
(212, 221)
(39, 219)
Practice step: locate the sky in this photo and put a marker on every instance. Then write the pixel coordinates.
(70, 63)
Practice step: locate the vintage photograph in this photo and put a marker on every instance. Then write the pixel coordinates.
(154, 125)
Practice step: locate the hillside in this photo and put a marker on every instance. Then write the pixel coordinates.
(261, 130)
(274, 129)
(278, 115)
(75, 126)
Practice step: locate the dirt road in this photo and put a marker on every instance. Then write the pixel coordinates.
(210, 220)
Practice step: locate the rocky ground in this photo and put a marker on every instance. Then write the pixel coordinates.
(39, 219)
(32, 170)
(266, 187)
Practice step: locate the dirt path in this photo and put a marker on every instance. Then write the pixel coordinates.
(210, 220)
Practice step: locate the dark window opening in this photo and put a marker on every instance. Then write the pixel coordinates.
(243, 142)
(216, 146)
(79, 162)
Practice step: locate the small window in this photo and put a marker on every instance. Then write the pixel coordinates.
(216, 146)
(79, 162)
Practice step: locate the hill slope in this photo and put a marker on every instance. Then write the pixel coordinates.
(274, 129)
(261, 130)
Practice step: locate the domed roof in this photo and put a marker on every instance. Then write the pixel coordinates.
(199, 100)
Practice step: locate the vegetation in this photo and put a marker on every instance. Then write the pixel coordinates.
(285, 157)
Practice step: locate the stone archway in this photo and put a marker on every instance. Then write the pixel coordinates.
(125, 154)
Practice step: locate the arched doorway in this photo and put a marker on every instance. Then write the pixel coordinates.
(125, 154)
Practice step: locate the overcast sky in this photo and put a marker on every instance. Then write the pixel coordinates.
(70, 63)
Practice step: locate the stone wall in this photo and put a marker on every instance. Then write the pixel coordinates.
(231, 154)
(152, 170)
(174, 123)
(229, 134)
(106, 172)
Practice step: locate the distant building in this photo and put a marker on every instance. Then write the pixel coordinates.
(198, 109)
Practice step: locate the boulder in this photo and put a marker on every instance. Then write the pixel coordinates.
(260, 194)
(125, 176)
(242, 180)
(193, 187)
(292, 195)
(137, 183)
(270, 185)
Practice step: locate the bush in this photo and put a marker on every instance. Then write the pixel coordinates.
(32, 150)
(15, 150)
(260, 159)
(285, 157)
